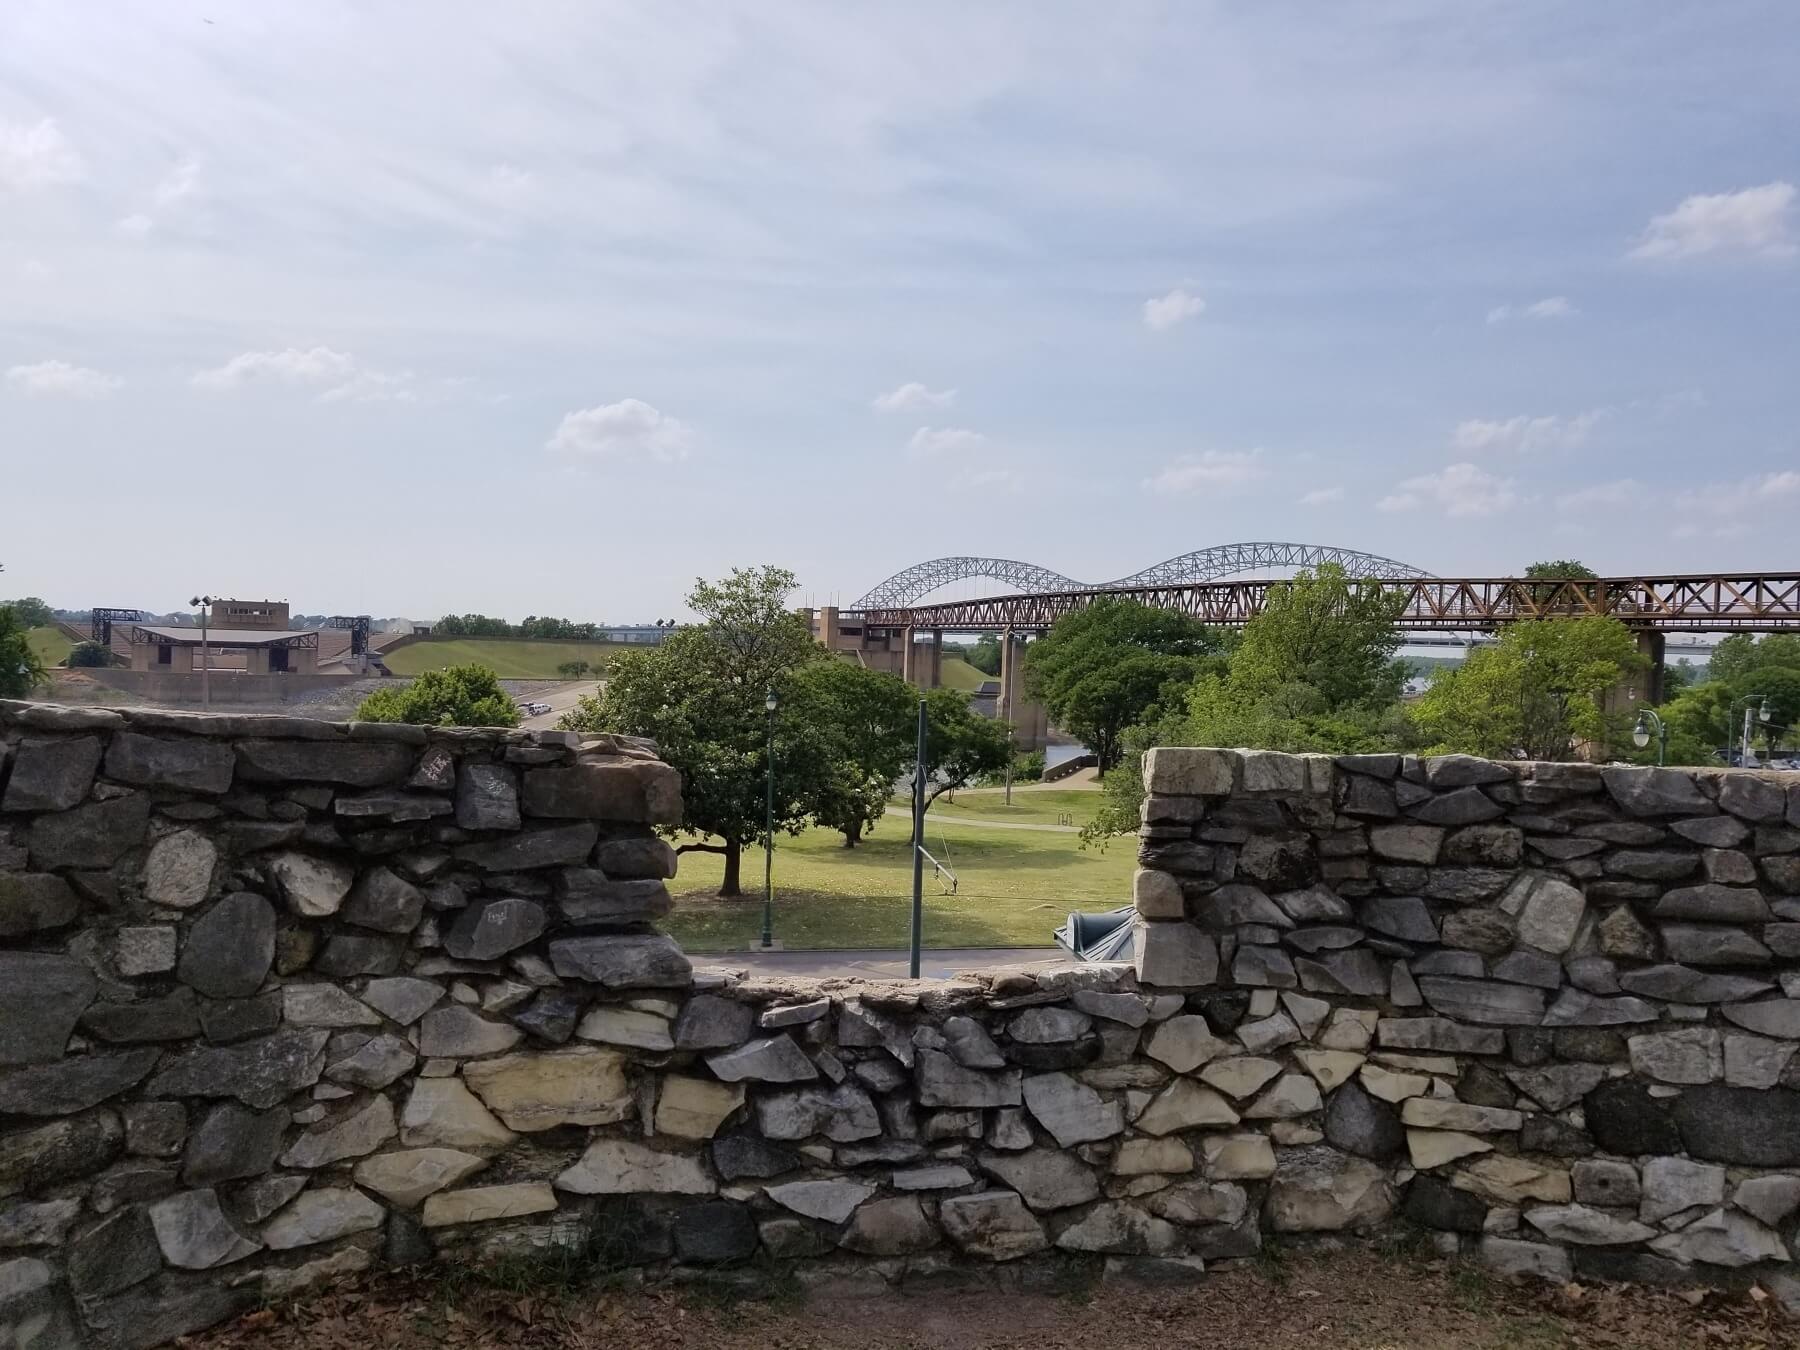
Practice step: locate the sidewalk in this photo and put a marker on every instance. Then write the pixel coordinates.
(880, 963)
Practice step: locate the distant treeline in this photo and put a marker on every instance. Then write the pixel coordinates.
(531, 626)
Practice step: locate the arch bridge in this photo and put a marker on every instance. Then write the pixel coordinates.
(1206, 564)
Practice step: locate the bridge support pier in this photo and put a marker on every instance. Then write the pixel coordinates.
(1650, 644)
(908, 671)
(935, 670)
(1003, 705)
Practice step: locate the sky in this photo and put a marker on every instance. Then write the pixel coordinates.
(551, 308)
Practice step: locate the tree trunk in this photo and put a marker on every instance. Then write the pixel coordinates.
(731, 888)
(853, 835)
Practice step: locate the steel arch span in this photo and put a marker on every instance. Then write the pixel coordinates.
(1206, 564)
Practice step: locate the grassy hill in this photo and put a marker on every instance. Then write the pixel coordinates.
(956, 673)
(509, 658)
(51, 645)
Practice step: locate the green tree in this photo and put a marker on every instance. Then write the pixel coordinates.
(458, 696)
(1538, 694)
(1739, 657)
(863, 722)
(20, 669)
(1562, 569)
(573, 670)
(985, 654)
(961, 746)
(32, 612)
(1107, 666)
(89, 654)
(699, 695)
(1329, 633)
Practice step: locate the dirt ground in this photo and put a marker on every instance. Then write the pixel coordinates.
(1357, 1300)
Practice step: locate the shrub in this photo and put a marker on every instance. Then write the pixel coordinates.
(90, 654)
(460, 696)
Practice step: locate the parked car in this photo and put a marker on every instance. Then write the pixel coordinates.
(530, 709)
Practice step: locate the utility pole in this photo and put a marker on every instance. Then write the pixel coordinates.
(918, 891)
(205, 603)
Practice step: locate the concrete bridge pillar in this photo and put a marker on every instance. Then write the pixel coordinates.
(935, 670)
(1651, 644)
(908, 670)
(1003, 705)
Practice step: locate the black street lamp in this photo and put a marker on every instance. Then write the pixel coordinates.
(205, 603)
(1640, 734)
(770, 703)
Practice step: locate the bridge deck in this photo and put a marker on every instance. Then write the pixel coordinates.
(1711, 603)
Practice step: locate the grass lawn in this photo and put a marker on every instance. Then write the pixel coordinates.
(1014, 887)
(956, 673)
(509, 658)
(1037, 806)
(51, 645)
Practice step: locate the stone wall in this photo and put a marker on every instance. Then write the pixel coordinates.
(1577, 990)
(281, 999)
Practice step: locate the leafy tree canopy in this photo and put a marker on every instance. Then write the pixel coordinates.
(864, 720)
(1328, 633)
(961, 746)
(1540, 693)
(700, 696)
(32, 612)
(20, 669)
(458, 696)
(1561, 569)
(1105, 667)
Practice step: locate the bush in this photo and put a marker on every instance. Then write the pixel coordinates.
(90, 654)
(574, 670)
(461, 696)
(20, 669)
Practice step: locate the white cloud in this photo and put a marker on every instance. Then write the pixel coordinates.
(1550, 307)
(137, 225)
(913, 397)
(629, 428)
(1210, 469)
(177, 184)
(59, 379)
(1743, 497)
(36, 156)
(1178, 306)
(1619, 494)
(945, 440)
(36, 271)
(337, 376)
(314, 365)
(1009, 482)
(1460, 490)
(1322, 496)
(1523, 435)
(1755, 221)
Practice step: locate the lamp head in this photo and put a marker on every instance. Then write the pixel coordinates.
(771, 702)
(1640, 734)
(1762, 711)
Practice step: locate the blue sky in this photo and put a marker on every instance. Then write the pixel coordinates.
(552, 307)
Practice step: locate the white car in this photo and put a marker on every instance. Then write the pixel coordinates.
(536, 709)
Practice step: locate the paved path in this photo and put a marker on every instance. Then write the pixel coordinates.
(1001, 824)
(880, 964)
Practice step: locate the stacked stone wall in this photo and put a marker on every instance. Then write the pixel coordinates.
(281, 1000)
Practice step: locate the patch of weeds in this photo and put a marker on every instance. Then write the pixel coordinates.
(1078, 1278)
(609, 1243)
(1532, 1332)
(1407, 1243)
(763, 1280)
(1472, 1287)
(1272, 1262)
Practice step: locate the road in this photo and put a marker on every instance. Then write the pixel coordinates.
(880, 964)
(561, 699)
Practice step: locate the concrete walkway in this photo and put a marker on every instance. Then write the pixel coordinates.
(880, 963)
(977, 824)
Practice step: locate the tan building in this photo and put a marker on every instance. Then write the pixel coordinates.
(244, 637)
